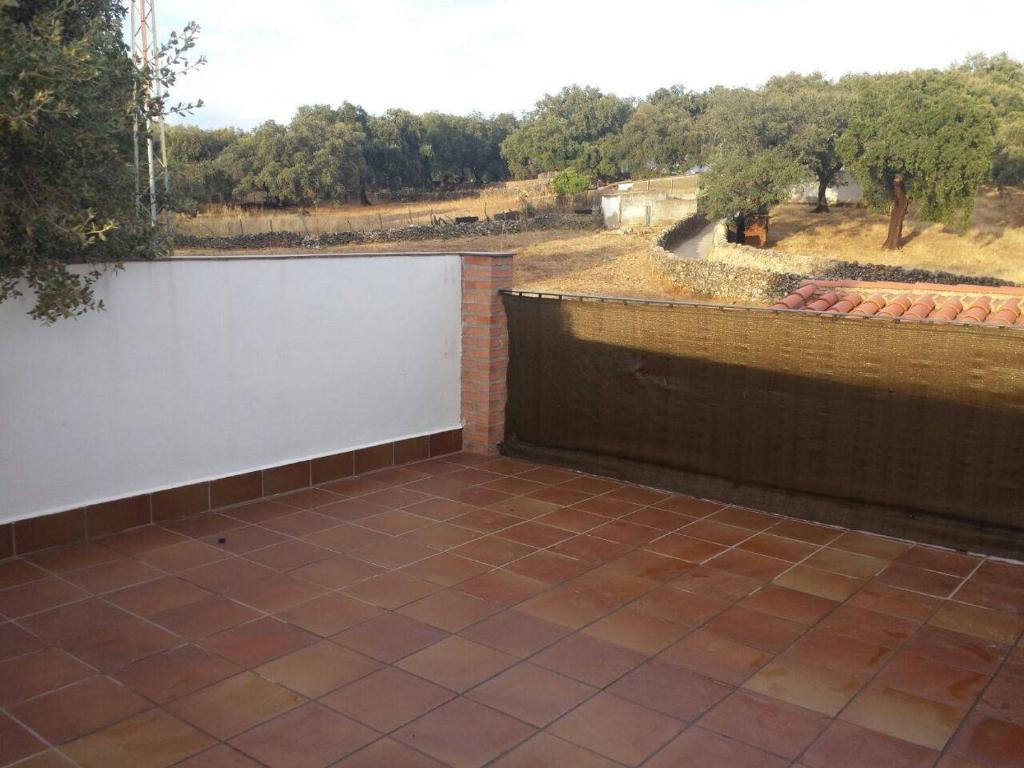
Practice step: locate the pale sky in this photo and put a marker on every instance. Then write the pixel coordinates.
(267, 57)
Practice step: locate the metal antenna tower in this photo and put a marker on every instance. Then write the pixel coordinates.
(146, 55)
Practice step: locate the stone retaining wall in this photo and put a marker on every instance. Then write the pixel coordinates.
(740, 273)
(440, 230)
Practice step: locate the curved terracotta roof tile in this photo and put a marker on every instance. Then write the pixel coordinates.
(977, 311)
(1007, 314)
(822, 303)
(903, 301)
(871, 306)
(948, 311)
(897, 306)
(922, 307)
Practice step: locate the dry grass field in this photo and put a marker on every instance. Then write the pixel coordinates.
(992, 246)
(224, 221)
(557, 261)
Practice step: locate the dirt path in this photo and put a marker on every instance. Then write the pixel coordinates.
(698, 246)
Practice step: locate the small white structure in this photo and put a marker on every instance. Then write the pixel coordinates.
(652, 209)
(845, 190)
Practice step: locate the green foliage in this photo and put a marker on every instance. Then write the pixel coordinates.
(742, 184)
(577, 126)
(661, 136)
(815, 112)
(749, 148)
(925, 130)
(1000, 80)
(67, 185)
(198, 173)
(571, 181)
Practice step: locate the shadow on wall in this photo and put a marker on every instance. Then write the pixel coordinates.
(798, 415)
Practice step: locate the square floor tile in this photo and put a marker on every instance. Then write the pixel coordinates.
(616, 728)
(392, 590)
(221, 756)
(120, 644)
(206, 617)
(39, 595)
(274, 594)
(868, 626)
(235, 705)
(671, 690)
(155, 596)
(588, 659)
(636, 630)
(28, 676)
(933, 680)
(310, 736)
(904, 716)
(58, 625)
(330, 614)
(789, 604)
(387, 699)
(393, 553)
(547, 751)
(153, 739)
(257, 642)
(956, 649)
(449, 610)
(990, 742)
(464, 734)
(387, 753)
(756, 629)
(16, 743)
(839, 652)
(66, 714)
(289, 555)
(110, 576)
(700, 748)
(766, 723)
(176, 673)
(806, 685)
(716, 657)
(336, 572)
(845, 745)
(987, 624)
(532, 693)
(446, 569)
(318, 669)
(567, 607)
(919, 580)
(390, 637)
(813, 581)
(457, 663)
(515, 633)
(502, 587)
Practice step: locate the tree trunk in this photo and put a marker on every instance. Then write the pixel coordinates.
(741, 229)
(363, 198)
(822, 206)
(900, 204)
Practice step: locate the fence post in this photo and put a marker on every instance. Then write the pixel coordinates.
(484, 350)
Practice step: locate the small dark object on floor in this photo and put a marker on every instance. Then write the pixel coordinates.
(222, 540)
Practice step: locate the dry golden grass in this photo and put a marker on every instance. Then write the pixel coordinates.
(992, 246)
(556, 261)
(223, 221)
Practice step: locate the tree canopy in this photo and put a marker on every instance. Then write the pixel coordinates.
(579, 127)
(68, 97)
(921, 137)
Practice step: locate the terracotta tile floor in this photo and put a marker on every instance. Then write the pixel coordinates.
(469, 611)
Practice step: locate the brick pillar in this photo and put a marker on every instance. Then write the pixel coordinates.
(484, 350)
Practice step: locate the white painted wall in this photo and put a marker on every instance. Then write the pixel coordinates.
(846, 190)
(200, 369)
